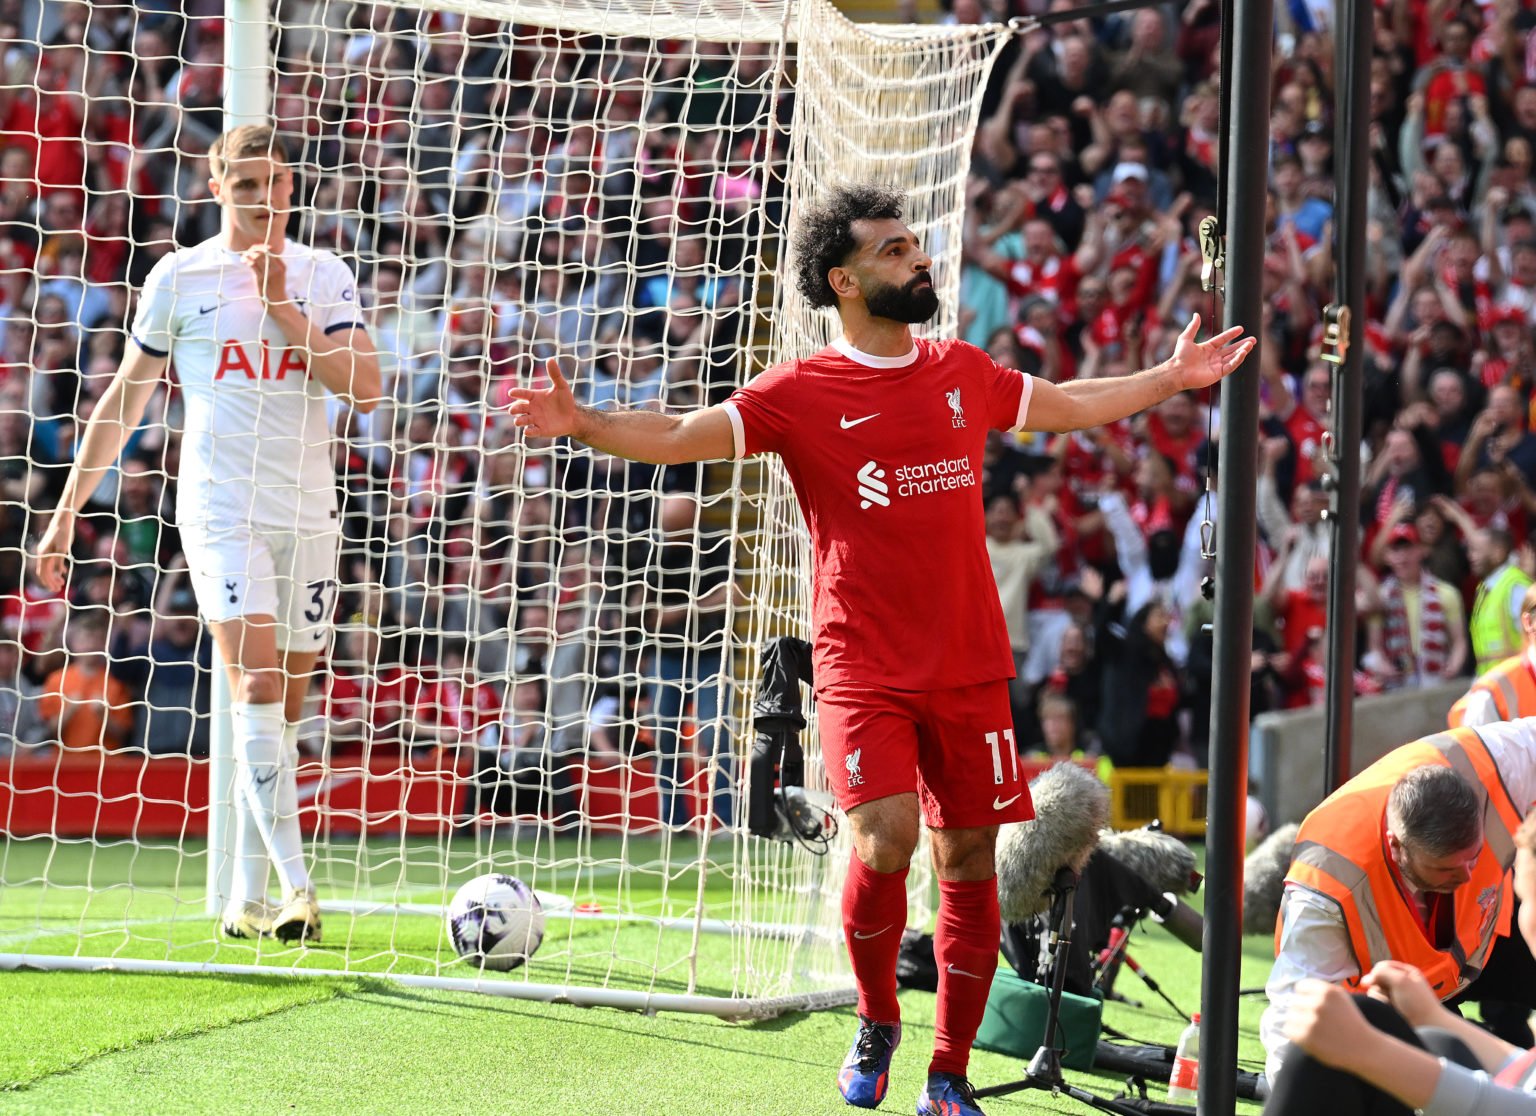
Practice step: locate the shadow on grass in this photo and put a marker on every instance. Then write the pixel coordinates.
(335, 987)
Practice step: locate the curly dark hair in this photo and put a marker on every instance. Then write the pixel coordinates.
(825, 238)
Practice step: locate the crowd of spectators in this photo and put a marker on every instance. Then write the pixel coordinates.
(507, 198)
(1096, 159)
(504, 199)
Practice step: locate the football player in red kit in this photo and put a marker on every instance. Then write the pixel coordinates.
(882, 435)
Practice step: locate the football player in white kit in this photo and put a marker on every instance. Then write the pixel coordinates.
(259, 329)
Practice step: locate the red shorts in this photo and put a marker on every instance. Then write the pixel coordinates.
(955, 748)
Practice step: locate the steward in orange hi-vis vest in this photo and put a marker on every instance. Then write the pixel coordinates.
(1342, 855)
(1512, 686)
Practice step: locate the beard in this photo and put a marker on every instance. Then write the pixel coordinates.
(916, 302)
(1419, 883)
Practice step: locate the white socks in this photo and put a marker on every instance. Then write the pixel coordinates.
(288, 797)
(266, 799)
(251, 862)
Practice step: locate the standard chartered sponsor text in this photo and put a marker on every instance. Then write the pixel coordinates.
(936, 476)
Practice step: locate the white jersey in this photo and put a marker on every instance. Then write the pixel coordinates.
(257, 449)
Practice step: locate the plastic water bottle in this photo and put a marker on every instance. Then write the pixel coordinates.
(1184, 1084)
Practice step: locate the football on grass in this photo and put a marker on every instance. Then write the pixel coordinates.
(495, 922)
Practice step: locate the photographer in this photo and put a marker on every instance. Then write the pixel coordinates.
(1397, 1049)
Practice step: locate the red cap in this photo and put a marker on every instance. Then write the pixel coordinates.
(1403, 533)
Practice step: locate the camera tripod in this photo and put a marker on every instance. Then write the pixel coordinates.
(1044, 1069)
(1117, 954)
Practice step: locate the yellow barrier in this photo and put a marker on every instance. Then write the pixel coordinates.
(1139, 795)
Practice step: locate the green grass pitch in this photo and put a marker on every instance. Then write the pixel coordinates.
(129, 1043)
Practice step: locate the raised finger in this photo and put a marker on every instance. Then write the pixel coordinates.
(1226, 335)
(552, 366)
(1234, 357)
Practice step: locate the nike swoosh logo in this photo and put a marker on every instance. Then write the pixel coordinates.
(859, 934)
(207, 309)
(1003, 804)
(846, 425)
(952, 971)
(262, 782)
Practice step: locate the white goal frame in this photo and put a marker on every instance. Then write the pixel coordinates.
(870, 87)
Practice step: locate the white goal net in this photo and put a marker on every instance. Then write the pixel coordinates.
(542, 657)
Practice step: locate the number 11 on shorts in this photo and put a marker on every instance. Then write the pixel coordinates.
(997, 755)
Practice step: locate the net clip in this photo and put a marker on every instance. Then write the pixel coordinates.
(1336, 319)
(1215, 259)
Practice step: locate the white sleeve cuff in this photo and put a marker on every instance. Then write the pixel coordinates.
(738, 432)
(1025, 395)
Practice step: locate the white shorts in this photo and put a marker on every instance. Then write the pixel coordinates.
(251, 571)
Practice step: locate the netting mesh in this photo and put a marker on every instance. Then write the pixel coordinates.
(541, 655)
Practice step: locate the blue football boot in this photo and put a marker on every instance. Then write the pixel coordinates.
(866, 1072)
(948, 1094)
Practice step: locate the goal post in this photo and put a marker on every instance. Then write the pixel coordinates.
(247, 100)
(542, 658)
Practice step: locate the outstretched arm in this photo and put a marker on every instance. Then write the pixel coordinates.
(1084, 403)
(116, 418)
(703, 435)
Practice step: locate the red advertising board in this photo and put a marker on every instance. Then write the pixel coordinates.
(130, 794)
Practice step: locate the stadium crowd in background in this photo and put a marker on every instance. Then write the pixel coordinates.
(1095, 160)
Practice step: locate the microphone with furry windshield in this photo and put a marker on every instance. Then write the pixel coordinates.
(1139, 871)
(1071, 807)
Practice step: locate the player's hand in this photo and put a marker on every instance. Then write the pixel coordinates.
(53, 550)
(1199, 364)
(1405, 988)
(271, 274)
(546, 412)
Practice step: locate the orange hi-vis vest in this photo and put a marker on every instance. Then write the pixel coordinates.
(1342, 855)
(1513, 686)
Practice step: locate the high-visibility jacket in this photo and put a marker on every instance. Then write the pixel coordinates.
(1512, 685)
(1342, 855)
(1496, 633)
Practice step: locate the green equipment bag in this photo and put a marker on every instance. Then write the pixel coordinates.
(1015, 1021)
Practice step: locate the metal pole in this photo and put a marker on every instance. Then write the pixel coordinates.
(1246, 178)
(247, 100)
(1352, 173)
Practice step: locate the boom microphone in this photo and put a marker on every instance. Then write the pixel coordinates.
(1165, 862)
(1264, 879)
(1071, 806)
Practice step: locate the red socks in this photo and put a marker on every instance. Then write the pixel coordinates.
(965, 947)
(874, 916)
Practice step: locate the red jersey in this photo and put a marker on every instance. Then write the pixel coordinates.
(885, 455)
(376, 696)
(32, 614)
(1300, 613)
(452, 702)
(1307, 435)
(1055, 280)
(1181, 451)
